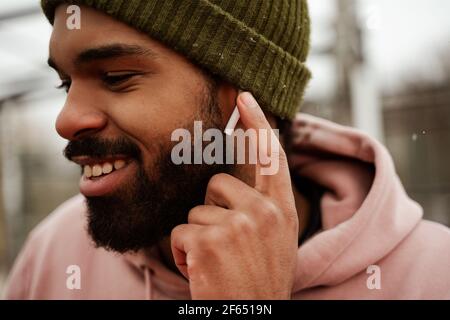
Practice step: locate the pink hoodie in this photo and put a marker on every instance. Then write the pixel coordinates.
(373, 243)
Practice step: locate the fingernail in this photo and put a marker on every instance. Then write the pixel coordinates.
(248, 100)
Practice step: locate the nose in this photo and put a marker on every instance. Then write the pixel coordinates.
(79, 117)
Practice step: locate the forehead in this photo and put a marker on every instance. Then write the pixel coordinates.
(97, 30)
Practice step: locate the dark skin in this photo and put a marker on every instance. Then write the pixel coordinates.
(121, 82)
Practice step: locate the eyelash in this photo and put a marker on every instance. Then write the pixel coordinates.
(65, 84)
(118, 79)
(106, 79)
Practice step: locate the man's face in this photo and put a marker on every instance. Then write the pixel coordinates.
(126, 95)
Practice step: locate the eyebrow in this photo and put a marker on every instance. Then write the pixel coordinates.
(110, 51)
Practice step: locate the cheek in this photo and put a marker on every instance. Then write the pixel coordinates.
(150, 117)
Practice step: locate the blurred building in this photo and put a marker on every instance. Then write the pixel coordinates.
(417, 122)
(34, 177)
(413, 119)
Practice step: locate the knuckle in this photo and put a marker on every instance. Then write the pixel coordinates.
(210, 242)
(216, 182)
(204, 243)
(269, 213)
(176, 231)
(193, 213)
(241, 224)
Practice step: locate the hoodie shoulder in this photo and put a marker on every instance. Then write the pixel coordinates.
(59, 244)
(50, 239)
(69, 215)
(424, 258)
(432, 240)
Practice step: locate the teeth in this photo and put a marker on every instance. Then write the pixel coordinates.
(119, 164)
(107, 168)
(87, 171)
(97, 170)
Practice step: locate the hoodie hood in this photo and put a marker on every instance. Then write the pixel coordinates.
(365, 210)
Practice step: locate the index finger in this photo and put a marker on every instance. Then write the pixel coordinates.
(270, 178)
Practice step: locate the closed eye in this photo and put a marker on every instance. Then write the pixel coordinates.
(117, 78)
(110, 79)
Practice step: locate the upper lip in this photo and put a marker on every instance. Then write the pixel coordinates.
(89, 161)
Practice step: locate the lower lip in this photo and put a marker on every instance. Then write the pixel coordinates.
(106, 184)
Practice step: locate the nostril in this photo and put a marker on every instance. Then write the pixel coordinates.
(85, 132)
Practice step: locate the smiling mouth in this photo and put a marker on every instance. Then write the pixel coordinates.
(102, 169)
(103, 176)
(95, 167)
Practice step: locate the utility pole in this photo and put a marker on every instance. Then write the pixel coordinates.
(11, 175)
(357, 97)
(3, 235)
(347, 51)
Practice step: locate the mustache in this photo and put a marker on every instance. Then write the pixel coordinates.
(101, 148)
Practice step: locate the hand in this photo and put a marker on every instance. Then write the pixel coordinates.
(242, 244)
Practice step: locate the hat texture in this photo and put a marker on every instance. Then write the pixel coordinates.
(257, 45)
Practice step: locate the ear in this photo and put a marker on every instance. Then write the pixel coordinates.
(227, 94)
(271, 119)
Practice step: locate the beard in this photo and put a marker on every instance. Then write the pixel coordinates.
(159, 197)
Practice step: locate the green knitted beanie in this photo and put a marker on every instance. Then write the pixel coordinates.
(257, 45)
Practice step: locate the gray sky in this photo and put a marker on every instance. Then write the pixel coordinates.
(403, 37)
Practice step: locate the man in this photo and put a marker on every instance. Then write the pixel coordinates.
(333, 224)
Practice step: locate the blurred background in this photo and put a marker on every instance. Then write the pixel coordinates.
(380, 65)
